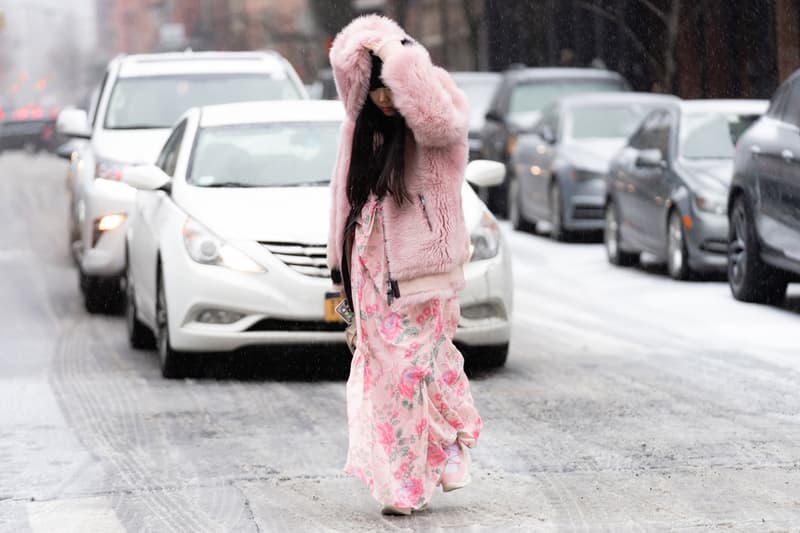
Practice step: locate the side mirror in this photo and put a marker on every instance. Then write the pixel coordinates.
(145, 177)
(65, 150)
(73, 122)
(651, 158)
(547, 135)
(485, 173)
(494, 116)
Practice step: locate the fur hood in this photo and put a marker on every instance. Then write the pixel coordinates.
(351, 62)
(427, 235)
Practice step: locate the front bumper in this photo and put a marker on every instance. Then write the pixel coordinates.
(284, 307)
(585, 204)
(106, 257)
(707, 242)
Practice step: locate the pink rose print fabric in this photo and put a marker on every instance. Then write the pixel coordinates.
(407, 395)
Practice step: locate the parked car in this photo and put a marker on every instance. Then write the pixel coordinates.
(28, 128)
(517, 105)
(667, 187)
(479, 88)
(764, 202)
(559, 168)
(226, 245)
(140, 98)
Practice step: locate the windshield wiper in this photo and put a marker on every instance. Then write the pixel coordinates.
(139, 127)
(231, 184)
(305, 184)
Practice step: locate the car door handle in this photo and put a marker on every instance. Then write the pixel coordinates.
(755, 150)
(787, 155)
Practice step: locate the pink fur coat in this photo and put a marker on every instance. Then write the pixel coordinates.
(427, 235)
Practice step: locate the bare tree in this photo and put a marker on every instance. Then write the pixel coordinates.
(662, 64)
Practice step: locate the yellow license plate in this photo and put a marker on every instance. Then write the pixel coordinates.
(332, 299)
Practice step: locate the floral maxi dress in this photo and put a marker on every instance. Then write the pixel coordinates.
(407, 394)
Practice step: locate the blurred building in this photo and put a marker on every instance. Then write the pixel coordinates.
(140, 26)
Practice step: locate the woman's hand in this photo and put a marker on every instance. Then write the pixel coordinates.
(380, 46)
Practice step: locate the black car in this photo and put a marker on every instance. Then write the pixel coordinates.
(764, 202)
(517, 105)
(667, 188)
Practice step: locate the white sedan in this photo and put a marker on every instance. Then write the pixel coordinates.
(226, 245)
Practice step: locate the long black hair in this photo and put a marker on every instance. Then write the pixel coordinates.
(377, 158)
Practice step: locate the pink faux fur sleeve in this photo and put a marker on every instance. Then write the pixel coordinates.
(434, 108)
(339, 208)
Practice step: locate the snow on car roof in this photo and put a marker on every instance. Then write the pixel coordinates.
(593, 99)
(272, 111)
(743, 105)
(201, 63)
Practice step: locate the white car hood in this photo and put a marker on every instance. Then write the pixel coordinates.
(279, 214)
(130, 146)
(284, 214)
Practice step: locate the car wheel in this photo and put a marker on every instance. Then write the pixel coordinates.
(498, 199)
(172, 362)
(514, 201)
(100, 295)
(557, 230)
(612, 238)
(492, 356)
(750, 279)
(139, 335)
(677, 252)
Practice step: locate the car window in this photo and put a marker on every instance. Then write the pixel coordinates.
(778, 102)
(709, 135)
(663, 133)
(158, 101)
(549, 121)
(604, 121)
(264, 155)
(642, 138)
(95, 100)
(791, 107)
(528, 99)
(168, 158)
(479, 94)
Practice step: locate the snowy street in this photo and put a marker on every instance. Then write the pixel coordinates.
(629, 402)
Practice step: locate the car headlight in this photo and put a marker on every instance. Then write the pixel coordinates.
(710, 204)
(108, 170)
(206, 248)
(485, 239)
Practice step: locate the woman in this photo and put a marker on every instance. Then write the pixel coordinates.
(397, 213)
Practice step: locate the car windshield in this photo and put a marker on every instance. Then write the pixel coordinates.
(604, 122)
(158, 101)
(479, 95)
(264, 155)
(528, 99)
(712, 135)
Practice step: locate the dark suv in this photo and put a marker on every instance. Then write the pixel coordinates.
(764, 202)
(517, 105)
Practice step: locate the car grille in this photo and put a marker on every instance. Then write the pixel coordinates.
(586, 212)
(272, 324)
(307, 259)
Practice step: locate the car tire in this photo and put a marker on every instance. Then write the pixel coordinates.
(557, 230)
(497, 197)
(612, 239)
(139, 335)
(100, 295)
(677, 251)
(749, 277)
(515, 215)
(172, 362)
(491, 356)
